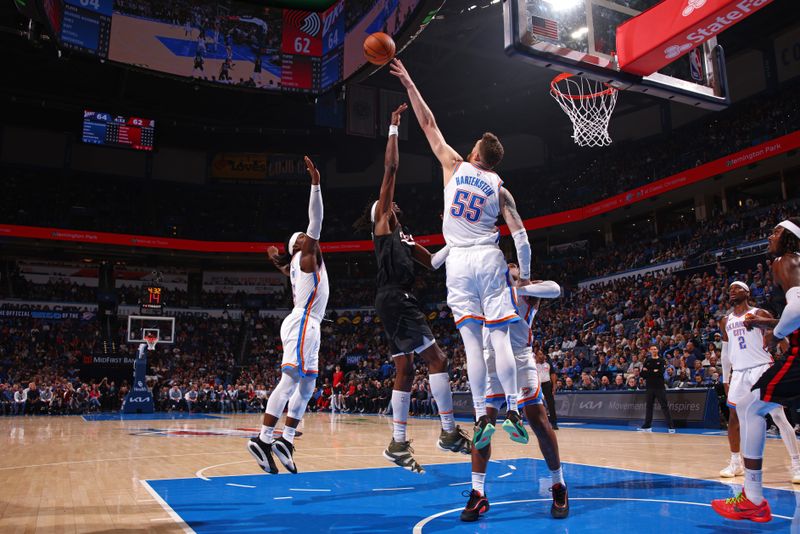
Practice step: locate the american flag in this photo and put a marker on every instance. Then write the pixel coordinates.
(543, 27)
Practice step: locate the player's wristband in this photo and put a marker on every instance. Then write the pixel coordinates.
(393, 130)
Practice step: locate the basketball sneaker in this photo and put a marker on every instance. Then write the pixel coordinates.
(284, 450)
(795, 473)
(560, 507)
(477, 505)
(740, 507)
(482, 433)
(515, 427)
(262, 452)
(400, 453)
(734, 469)
(455, 441)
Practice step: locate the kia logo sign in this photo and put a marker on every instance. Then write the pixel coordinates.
(691, 6)
(135, 400)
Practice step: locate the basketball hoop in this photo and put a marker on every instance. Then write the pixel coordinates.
(151, 339)
(588, 104)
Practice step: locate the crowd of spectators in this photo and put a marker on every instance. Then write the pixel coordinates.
(237, 212)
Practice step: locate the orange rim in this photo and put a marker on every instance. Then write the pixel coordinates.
(564, 75)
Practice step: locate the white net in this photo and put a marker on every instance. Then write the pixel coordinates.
(589, 105)
(151, 338)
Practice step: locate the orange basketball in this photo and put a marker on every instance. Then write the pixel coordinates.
(379, 48)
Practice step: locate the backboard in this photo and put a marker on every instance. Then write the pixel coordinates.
(579, 37)
(141, 325)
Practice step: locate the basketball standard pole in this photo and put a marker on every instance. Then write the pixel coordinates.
(139, 399)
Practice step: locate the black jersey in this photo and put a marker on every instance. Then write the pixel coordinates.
(395, 262)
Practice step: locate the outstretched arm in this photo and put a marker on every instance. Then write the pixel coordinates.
(310, 248)
(448, 157)
(508, 207)
(432, 261)
(391, 161)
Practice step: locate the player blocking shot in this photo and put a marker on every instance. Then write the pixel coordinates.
(300, 335)
(530, 400)
(744, 360)
(477, 276)
(405, 324)
(775, 385)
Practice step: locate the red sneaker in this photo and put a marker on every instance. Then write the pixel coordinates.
(740, 507)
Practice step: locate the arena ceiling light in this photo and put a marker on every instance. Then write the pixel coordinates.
(564, 5)
(580, 32)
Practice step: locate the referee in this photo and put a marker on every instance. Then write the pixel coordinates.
(653, 373)
(547, 377)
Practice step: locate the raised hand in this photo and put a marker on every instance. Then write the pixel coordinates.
(396, 68)
(312, 171)
(396, 114)
(272, 251)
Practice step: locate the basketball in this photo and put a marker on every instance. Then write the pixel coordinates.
(379, 48)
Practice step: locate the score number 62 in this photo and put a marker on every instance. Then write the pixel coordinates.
(302, 45)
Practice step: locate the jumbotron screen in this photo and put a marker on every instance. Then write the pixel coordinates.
(233, 42)
(115, 130)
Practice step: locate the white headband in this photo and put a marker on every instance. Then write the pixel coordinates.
(292, 241)
(372, 211)
(792, 227)
(741, 284)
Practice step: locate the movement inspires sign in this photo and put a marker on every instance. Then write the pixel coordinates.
(663, 33)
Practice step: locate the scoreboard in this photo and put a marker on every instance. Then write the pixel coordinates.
(152, 302)
(86, 26)
(115, 130)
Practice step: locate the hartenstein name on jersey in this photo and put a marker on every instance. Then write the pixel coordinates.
(474, 181)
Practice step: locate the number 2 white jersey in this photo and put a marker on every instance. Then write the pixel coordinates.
(471, 207)
(309, 290)
(745, 347)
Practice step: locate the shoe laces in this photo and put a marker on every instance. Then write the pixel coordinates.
(474, 495)
(737, 499)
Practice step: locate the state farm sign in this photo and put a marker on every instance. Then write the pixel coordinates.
(655, 38)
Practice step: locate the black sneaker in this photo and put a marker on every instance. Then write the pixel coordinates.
(262, 452)
(455, 441)
(560, 508)
(284, 451)
(477, 505)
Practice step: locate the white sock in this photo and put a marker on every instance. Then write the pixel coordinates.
(288, 433)
(266, 433)
(557, 476)
(506, 365)
(401, 400)
(478, 480)
(480, 408)
(753, 485)
(736, 458)
(477, 373)
(440, 387)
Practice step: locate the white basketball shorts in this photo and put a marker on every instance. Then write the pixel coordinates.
(300, 334)
(527, 380)
(479, 288)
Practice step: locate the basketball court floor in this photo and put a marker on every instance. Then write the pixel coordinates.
(159, 473)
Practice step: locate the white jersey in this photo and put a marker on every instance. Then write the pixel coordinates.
(471, 207)
(745, 347)
(521, 331)
(543, 369)
(309, 290)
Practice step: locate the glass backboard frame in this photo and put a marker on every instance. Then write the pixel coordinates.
(580, 55)
(138, 324)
